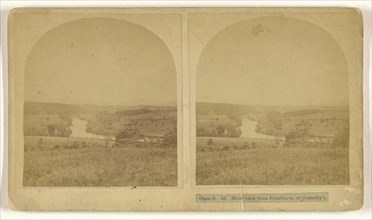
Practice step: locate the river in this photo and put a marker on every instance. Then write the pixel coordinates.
(78, 130)
(249, 127)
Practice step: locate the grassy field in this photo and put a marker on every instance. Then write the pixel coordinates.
(60, 161)
(235, 161)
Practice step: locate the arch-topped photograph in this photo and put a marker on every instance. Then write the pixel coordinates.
(100, 107)
(272, 105)
(186, 109)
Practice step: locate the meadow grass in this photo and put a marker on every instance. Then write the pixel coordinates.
(61, 162)
(229, 161)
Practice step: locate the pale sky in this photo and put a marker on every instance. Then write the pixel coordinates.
(100, 61)
(273, 61)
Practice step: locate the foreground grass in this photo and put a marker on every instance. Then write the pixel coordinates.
(251, 162)
(69, 162)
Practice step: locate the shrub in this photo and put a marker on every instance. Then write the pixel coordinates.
(220, 130)
(127, 134)
(210, 141)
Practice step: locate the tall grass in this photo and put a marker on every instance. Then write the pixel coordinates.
(93, 164)
(264, 164)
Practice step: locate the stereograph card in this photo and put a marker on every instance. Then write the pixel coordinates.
(195, 109)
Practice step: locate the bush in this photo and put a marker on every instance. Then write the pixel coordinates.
(128, 133)
(220, 130)
(210, 141)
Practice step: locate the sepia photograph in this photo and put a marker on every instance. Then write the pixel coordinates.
(272, 106)
(100, 107)
(185, 109)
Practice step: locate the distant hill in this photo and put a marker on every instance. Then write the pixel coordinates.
(204, 108)
(60, 109)
(55, 119)
(224, 120)
(70, 109)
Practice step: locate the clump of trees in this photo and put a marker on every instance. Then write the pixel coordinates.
(228, 131)
(298, 133)
(59, 130)
(219, 131)
(127, 134)
(201, 132)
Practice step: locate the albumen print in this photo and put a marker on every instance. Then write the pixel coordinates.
(185, 109)
(100, 107)
(272, 106)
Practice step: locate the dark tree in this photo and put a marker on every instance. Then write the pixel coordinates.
(220, 130)
(128, 133)
(201, 132)
(210, 141)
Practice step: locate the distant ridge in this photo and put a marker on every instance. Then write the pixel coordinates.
(72, 109)
(203, 108)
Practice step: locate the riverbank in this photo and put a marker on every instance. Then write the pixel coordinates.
(79, 130)
(249, 130)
